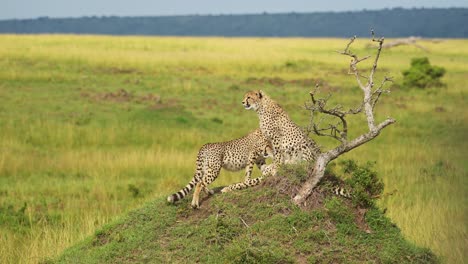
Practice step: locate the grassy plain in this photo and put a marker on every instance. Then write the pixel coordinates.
(76, 151)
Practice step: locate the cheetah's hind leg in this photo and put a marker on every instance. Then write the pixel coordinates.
(211, 174)
(196, 196)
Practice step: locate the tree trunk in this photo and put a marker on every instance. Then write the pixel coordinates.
(369, 100)
(313, 178)
(316, 174)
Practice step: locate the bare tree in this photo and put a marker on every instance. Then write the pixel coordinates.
(408, 41)
(339, 131)
(405, 41)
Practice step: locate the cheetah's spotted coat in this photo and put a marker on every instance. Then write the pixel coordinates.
(290, 143)
(232, 155)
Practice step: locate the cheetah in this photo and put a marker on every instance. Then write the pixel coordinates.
(232, 155)
(266, 170)
(290, 143)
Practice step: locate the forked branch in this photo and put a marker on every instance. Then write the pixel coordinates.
(339, 131)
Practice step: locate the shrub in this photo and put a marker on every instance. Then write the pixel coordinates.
(422, 75)
(364, 182)
(16, 220)
(133, 190)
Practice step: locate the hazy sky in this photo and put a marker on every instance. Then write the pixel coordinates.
(66, 8)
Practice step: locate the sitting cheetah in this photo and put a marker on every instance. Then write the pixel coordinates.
(233, 155)
(290, 143)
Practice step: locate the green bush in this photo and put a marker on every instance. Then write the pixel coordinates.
(422, 75)
(364, 182)
(16, 220)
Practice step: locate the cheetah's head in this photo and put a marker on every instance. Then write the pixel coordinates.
(252, 99)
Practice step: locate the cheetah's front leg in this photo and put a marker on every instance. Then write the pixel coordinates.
(267, 170)
(248, 173)
(250, 165)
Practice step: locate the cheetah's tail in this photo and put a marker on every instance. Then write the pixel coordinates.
(341, 191)
(182, 193)
(186, 190)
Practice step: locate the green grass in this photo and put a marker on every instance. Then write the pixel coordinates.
(251, 226)
(73, 157)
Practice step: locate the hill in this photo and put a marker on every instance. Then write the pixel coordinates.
(257, 225)
(398, 22)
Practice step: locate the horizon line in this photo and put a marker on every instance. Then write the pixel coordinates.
(234, 14)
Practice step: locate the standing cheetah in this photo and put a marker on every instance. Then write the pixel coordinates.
(290, 143)
(232, 155)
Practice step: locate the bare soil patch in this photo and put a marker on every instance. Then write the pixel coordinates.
(154, 101)
(117, 70)
(440, 109)
(280, 82)
(316, 200)
(277, 81)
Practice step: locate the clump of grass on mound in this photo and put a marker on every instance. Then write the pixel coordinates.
(257, 225)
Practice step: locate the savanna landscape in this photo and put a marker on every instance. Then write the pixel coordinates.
(94, 127)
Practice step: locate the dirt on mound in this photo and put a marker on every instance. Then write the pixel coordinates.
(284, 187)
(316, 200)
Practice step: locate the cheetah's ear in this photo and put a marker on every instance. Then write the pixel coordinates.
(260, 94)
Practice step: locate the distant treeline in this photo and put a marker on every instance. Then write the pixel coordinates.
(397, 22)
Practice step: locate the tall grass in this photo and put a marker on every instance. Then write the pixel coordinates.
(71, 159)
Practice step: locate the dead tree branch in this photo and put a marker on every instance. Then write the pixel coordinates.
(409, 41)
(405, 41)
(339, 131)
